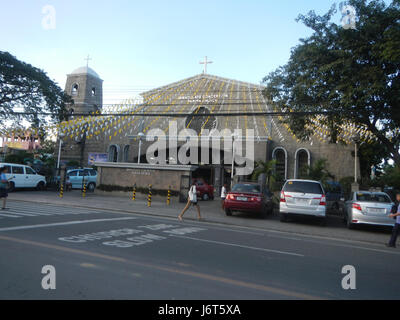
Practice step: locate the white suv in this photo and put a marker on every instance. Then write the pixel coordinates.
(21, 176)
(303, 197)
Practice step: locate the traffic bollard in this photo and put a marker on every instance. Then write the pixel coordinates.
(84, 190)
(149, 197)
(169, 196)
(134, 193)
(61, 190)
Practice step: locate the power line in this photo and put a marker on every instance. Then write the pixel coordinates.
(180, 115)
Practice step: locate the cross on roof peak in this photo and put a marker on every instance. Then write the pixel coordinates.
(205, 62)
(87, 60)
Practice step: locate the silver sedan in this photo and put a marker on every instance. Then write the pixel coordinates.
(367, 207)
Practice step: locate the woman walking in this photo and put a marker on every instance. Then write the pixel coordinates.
(224, 191)
(192, 201)
(3, 187)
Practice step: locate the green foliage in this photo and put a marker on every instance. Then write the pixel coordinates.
(317, 171)
(19, 157)
(353, 73)
(390, 177)
(73, 163)
(268, 168)
(346, 185)
(372, 155)
(22, 85)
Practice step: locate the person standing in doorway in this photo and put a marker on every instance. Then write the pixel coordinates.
(396, 228)
(3, 187)
(192, 201)
(224, 191)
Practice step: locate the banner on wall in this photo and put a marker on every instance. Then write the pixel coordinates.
(97, 157)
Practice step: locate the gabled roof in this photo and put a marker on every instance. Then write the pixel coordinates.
(199, 77)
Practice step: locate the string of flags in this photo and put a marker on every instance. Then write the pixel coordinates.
(123, 117)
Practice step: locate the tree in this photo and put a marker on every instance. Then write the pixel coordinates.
(265, 167)
(390, 177)
(374, 154)
(352, 73)
(317, 171)
(29, 88)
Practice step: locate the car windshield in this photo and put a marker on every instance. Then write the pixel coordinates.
(303, 187)
(373, 197)
(249, 188)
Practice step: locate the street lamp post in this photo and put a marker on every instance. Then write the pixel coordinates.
(355, 186)
(141, 135)
(60, 135)
(355, 162)
(233, 160)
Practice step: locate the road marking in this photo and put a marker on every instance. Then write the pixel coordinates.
(35, 226)
(45, 211)
(8, 216)
(346, 246)
(193, 274)
(23, 214)
(241, 246)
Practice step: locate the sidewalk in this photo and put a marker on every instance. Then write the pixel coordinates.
(211, 212)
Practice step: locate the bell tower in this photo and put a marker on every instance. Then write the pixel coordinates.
(86, 89)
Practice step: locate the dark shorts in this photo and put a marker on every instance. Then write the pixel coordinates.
(3, 193)
(223, 198)
(193, 203)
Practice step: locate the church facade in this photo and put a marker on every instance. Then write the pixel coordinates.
(200, 103)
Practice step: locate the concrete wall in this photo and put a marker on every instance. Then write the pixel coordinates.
(127, 174)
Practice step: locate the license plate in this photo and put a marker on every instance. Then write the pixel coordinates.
(376, 210)
(241, 199)
(302, 201)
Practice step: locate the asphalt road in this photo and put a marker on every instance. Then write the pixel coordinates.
(107, 255)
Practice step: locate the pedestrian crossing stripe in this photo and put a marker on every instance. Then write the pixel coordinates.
(21, 211)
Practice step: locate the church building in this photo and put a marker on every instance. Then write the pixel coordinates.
(193, 103)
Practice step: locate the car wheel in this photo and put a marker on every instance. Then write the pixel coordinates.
(206, 197)
(91, 187)
(40, 186)
(283, 217)
(11, 187)
(228, 212)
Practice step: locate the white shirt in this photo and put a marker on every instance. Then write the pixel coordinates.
(223, 192)
(193, 193)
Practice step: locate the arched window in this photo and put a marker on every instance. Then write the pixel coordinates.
(281, 156)
(93, 91)
(126, 153)
(75, 88)
(302, 161)
(113, 153)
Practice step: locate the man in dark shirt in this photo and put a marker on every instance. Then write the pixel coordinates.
(396, 228)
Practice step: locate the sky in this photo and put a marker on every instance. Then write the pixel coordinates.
(138, 45)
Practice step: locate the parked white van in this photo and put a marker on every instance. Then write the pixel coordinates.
(22, 176)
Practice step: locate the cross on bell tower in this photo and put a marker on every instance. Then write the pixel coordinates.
(205, 62)
(88, 58)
